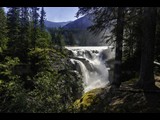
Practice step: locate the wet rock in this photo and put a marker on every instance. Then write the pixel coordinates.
(88, 54)
(104, 54)
(95, 51)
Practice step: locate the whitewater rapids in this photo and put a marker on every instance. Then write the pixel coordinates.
(92, 61)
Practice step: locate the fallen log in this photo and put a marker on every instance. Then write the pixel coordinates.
(156, 63)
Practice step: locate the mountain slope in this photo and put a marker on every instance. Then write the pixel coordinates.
(81, 23)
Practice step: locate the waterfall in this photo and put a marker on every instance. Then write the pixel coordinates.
(93, 65)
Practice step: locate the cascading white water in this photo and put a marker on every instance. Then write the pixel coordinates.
(92, 63)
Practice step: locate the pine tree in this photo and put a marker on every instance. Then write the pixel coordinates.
(71, 39)
(13, 22)
(60, 40)
(146, 80)
(42, 19)
(132, 41)
(118, 55)
(3, 30)
(35, 30)
(157, 42)
(24, 31)
(44, 40)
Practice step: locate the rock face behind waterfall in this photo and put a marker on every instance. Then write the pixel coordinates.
(94, 64)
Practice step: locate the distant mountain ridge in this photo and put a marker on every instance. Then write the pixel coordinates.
(80, 34)
(50, 24)
(82, 23)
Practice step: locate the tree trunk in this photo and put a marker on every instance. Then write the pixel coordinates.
(118, 55)
(147, 57)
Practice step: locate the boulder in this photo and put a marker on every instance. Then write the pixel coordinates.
(89, 100)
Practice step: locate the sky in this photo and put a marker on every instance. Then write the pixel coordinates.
(60, 14)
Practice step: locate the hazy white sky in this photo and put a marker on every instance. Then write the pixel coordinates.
(60, 14)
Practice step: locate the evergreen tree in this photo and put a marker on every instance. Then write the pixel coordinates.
(118, 55)
(24, 31)
(52, 32)
(42, 19)
(71, 39)
(35, 16)
(157, 42)
(60, 40)
(146, 80)
(3, 30)
(132, 42)
(44, 40)
(133, 32)
(35, 33)
(13, 22)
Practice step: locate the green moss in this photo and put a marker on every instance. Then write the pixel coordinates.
(88, 100)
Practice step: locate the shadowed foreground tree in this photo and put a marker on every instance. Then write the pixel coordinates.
(118, 55)
(104, 18)
(3, 30)
(146, 80)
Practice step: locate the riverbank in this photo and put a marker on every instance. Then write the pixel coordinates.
(127, 99)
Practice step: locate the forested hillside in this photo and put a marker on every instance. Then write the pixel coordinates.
(76, 33)
(35, 75)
